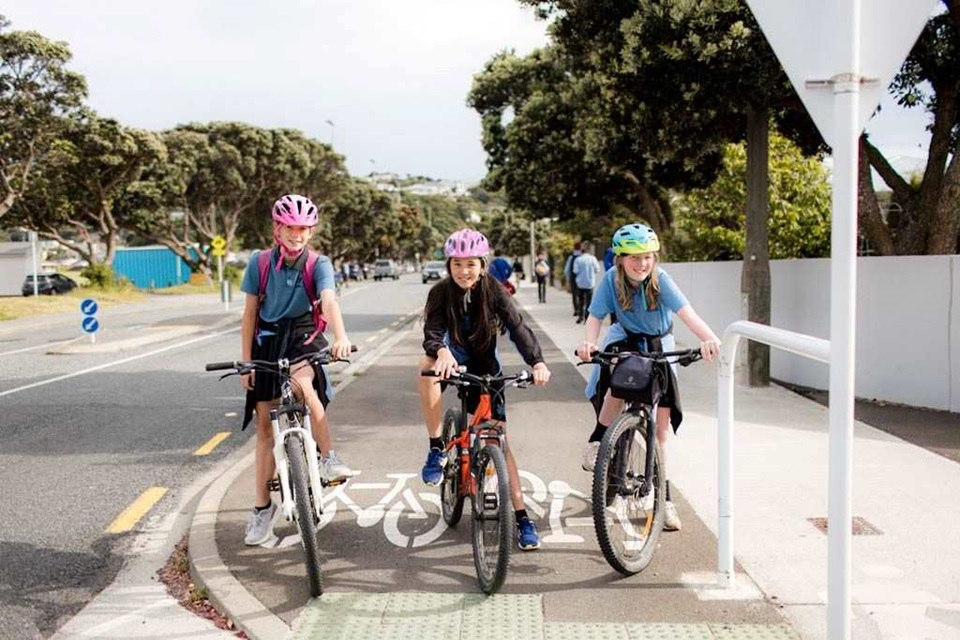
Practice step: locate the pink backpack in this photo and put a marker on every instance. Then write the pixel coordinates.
(263, 263)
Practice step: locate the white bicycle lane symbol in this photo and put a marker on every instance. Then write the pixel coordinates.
(407, 524)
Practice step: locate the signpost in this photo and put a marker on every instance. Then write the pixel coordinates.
(89, 323)
(840, 60)
(218, 247)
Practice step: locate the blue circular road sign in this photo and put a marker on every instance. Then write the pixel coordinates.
(90, 324)
(88, 307)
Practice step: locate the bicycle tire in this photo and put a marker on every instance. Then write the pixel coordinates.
(493, 519)
(451, 502)
(305, 515)
(628, 532)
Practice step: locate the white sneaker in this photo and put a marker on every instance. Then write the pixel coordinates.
(671, 519)
(588, 457)
(260, 525)
(333, 469)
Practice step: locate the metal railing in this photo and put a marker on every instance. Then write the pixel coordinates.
(798, 343)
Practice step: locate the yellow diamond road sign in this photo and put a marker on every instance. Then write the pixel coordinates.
(218, 246)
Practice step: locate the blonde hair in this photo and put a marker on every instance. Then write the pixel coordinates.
(625, 291)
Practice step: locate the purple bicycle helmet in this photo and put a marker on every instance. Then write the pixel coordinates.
(466, 243)
(294, 210)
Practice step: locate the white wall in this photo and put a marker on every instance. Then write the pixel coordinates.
(908, 321)
(15, 264)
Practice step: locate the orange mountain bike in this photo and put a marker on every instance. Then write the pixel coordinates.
(476, 468)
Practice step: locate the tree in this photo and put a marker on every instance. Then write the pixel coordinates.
(929, 222)
(86, 171)
(711, 221)
(36, 91)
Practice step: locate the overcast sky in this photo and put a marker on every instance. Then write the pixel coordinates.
(390, 75)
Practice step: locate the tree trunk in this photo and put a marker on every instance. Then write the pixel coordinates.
(944, 233)
(869, 217)
(755, 279)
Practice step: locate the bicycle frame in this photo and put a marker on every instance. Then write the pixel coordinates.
(472, 438)
(298, 422)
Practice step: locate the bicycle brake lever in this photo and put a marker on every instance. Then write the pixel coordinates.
(227, 375)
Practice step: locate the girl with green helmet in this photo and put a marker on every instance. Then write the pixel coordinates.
(643, 299)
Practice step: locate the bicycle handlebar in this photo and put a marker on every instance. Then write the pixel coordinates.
(684, 357)
(321, 357)
(462, 378)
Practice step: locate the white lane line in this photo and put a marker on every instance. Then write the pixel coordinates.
(41, 346)
(107, 365)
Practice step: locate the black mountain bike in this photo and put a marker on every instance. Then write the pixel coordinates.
(476, 468)
(295, 452)
(629, 479)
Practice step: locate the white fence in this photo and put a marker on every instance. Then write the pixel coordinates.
(908, 321)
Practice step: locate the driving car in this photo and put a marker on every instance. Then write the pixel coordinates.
(433, 270)
(385, 269)
(50, 284)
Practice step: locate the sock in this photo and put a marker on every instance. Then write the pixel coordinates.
(598, 432)
(520, 515)
(668, 491)
(263, 508)
(436, 443)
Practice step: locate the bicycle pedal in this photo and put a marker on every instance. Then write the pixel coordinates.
(490, 502)
(273, 484)
(333, 483)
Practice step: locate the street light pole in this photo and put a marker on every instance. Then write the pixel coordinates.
(332, 130)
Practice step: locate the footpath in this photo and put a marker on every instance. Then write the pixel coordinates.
(905, 568)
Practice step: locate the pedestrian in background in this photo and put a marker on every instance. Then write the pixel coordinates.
(541, 269)
(568, 275)
(585, 269)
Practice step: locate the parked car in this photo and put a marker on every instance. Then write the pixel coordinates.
(385, 269)
(433, 270)
(50, 284)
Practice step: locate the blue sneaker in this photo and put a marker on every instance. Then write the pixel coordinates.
(527, 537)
(432, 472)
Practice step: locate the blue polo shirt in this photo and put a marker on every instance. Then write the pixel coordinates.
(286, 295)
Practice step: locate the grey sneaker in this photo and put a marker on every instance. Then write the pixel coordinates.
(333, 469)
(588, 457)
(671, 519)
(260, 525)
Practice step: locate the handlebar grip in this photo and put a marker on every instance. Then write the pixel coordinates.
(220, 366)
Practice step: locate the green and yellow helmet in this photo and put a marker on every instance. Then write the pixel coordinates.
(635, 238)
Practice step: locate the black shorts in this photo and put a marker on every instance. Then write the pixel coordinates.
(283, 339)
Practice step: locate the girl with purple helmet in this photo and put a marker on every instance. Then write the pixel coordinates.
(462, 318)
(279, 322)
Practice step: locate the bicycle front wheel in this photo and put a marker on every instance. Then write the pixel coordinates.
(628, 524)
(451, 502)
(493, 521)
(305, 515)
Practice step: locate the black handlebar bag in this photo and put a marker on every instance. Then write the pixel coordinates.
(637, 379)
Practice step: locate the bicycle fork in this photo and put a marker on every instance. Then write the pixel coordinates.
(283, 468)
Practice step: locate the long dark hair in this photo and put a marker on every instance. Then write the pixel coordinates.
(446, 297)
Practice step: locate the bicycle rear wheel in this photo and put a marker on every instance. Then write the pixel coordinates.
(305, 514)
(451, 502)
(628, 525)
(493, 521)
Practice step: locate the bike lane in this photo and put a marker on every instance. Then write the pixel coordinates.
(393, 569)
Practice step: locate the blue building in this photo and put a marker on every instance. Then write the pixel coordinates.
(153, 267)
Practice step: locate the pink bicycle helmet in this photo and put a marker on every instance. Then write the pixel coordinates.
(466, 243)
(295, 210)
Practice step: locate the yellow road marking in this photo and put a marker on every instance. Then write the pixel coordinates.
(132, 514)
(212, 443)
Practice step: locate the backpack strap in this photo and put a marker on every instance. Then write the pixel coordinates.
(308, 271)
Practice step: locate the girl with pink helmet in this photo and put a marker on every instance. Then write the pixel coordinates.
(462, 318)
(278, 321)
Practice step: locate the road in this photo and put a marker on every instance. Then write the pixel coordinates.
(88, 431)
